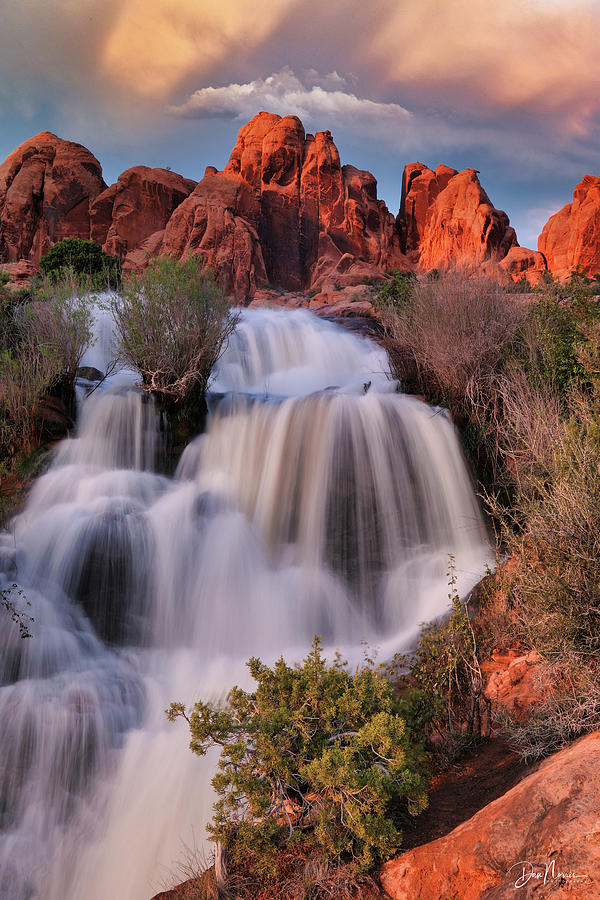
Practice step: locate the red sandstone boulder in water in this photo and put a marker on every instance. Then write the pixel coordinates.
(446, 218)
(571, 237)
(46, 188)
(540, 838)
(136, 207)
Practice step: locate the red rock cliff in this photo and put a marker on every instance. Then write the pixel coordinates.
(138, 206)
(446, 218)
(46, 188)
(571, 237)
(301, 219)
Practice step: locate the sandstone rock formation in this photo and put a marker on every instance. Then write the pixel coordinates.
(446, 218)
(571, 237)
(520, 262)
(46, 188)
(139, 205)
(289, 213)
(540, 838)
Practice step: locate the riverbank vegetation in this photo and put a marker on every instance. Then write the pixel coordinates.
(316, 759)
(520, 375)
(173, 322)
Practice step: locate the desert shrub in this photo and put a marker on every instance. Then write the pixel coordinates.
(442, 680)
(393, 294)
(315, 755)
(42, 344)
(570, 707)
(61, 318)
(449, 333)
(82, 258)
(173, 322)
(553, 532)
(517, 420)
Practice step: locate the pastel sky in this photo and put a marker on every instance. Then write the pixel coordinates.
(511, 88)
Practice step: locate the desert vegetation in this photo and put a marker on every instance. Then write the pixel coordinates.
(173, 322)
(520, 375)
(315, 758)
(43, 336)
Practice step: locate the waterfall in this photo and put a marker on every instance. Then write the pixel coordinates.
(320, 499)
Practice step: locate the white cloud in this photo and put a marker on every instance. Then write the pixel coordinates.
(322, 100)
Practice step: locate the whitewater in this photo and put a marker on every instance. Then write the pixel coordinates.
(319, 500)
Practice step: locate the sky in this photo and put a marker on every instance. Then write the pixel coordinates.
(510, 88)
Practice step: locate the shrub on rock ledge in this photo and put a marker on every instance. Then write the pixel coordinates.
(173, 321)
(315, 755)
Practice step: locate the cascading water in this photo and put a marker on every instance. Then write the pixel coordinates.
(319, 500)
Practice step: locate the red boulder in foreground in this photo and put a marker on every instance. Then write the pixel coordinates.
(540, 838)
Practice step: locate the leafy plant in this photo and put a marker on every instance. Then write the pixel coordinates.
(173, 323)
(315, 754)
(393, 294)
(42, 345)
(443, 678)
(82, 258)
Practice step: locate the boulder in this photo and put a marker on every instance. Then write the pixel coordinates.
(520, 262)
(47, 186)
(538, 839)
(217, 221)
(571, 237)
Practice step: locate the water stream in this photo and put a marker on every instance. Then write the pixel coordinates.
(319, 500)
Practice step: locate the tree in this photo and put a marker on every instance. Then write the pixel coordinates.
(82, 258)
(316, 755)
(173, 322)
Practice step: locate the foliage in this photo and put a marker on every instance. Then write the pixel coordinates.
(553, 532)
(12, 606)
(61, 317)
(570, 707)
(173, 322)
(451, 332)
(42, 344)
(82, 258)
(443, 678)
(559, 323)
(393, 294)
(315, 754)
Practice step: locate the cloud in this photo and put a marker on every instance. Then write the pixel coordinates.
(322, 100)
(534, 55)
(155, 44)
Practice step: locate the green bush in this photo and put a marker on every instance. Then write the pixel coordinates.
(82, 258)
(393, 294)
(173, 321)
(442, 681)
(41, 345)
(315, 755)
